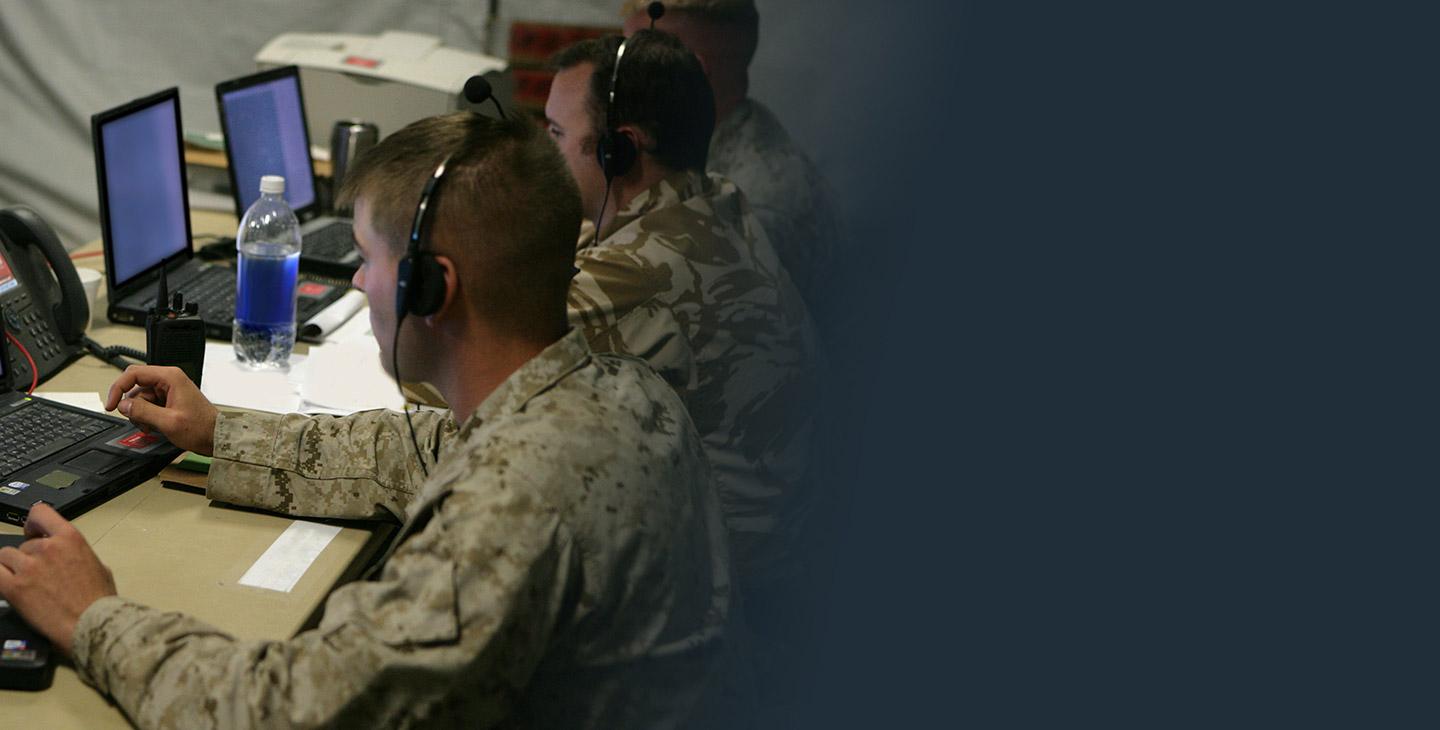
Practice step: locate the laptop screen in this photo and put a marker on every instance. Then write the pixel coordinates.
(265, 135)
(144, 181)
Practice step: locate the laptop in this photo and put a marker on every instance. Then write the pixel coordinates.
(263, 118)
(67, 457)
(145, 221)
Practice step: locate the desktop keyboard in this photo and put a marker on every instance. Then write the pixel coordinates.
(31, 433)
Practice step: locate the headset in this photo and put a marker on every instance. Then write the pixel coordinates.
(420, 286)
(420, 281)
(616, 152)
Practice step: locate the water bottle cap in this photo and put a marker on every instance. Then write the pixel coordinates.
(272, 184)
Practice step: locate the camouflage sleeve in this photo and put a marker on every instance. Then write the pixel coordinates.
(359, 466)
(615, 306)
(447, 636)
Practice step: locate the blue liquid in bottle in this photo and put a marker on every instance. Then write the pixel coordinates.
(269, 263)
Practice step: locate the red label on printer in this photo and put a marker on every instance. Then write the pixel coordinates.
(362, 62)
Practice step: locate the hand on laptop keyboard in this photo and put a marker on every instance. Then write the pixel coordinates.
(163, 399)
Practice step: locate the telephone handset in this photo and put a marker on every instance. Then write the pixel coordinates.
(46, 313)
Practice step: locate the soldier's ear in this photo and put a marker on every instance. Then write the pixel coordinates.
(643, 141)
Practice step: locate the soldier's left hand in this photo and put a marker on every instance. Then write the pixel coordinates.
(53, 576)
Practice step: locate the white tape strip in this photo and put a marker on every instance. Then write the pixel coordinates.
(282, 564)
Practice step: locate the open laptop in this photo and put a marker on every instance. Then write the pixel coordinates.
(263, 118)
(67, 457)
(145, 220)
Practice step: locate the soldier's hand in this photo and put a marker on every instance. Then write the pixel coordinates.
(165, 400)
(53, 576)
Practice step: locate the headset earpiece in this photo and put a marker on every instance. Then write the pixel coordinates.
(420, 283)
(420, 289)
(616, 154)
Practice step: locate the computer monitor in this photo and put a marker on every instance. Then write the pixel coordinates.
(263, 119)
(143, 200)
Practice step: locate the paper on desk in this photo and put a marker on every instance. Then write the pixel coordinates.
(88, 401)
(358, 328)
(332, 317)
(348, 377)
(286, 560)
(227, 382)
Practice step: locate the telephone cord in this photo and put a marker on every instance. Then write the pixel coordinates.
(34, 371)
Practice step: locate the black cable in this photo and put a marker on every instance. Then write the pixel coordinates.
(601, 218)
(112, 355)
(221, 249)
(395, 365)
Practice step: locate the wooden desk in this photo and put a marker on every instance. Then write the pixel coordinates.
(216, 158)
(175, 550)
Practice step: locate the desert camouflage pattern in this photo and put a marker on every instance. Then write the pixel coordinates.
(688, 281)
(563, 566)
(789, 197)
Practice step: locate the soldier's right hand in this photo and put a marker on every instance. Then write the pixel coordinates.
(164, 399)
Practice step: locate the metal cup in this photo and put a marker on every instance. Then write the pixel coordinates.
(348, 140)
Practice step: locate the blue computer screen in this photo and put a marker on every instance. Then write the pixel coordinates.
(143, 186)
(265, 131)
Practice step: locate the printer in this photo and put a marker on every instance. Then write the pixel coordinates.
(391, 79)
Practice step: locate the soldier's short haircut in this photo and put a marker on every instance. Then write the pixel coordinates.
(508, 210)
(661, 90)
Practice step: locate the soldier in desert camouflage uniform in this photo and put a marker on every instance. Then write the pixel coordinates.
(683, 276)
(562, 564)
(752, 149)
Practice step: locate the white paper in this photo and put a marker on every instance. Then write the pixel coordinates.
(348, 377)
(286, 560)
(227, 382)
(358, 328)
(332, 317)
(88, 401)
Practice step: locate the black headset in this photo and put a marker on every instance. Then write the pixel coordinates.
(420, 282)
(614, 151)
(420, 286)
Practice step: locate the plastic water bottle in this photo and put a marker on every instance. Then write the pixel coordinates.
(268, 244)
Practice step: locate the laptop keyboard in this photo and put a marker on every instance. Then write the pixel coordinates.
(31, 433)
(334, 242)
(214, 290)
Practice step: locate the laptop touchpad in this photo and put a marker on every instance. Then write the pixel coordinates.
(96, 462)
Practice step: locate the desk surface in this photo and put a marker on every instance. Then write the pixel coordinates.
(174, 550)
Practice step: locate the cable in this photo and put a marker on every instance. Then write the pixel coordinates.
(85, 255)
(34, 371)
(112, 354)
(601, 218)
(395, 365)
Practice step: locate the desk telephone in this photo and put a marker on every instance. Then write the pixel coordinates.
(46, 313)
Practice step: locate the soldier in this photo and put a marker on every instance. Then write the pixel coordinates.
(561, 563)
(753, 150)
(680, 273)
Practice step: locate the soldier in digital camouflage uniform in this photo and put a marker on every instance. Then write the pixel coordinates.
(562, 564)
(752, 149)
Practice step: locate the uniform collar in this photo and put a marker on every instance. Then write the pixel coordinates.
(561, 358)
(672, 190)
